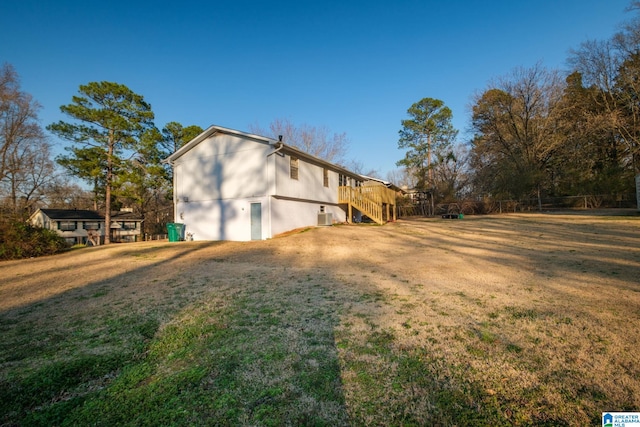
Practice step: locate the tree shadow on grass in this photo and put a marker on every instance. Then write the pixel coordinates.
(189, 338)
(287, 332)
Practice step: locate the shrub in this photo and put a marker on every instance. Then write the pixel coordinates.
(21, 240)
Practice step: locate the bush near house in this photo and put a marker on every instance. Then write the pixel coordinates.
(20, 240)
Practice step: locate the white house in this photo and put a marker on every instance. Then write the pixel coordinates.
(79, 226)
(232, 185)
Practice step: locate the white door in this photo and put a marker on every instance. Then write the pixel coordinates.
(256, 221)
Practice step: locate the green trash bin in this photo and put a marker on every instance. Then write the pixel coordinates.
(175, 231)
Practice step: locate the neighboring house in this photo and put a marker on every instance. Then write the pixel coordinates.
(231, 185)
(79, 226)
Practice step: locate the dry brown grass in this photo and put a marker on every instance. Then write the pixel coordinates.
(514, 319)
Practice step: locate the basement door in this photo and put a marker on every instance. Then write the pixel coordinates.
(256, 221)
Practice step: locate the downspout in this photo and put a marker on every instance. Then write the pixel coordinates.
(280, 144)
(276, 151)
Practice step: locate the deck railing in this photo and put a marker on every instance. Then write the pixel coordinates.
(368, 199)
(385, 194)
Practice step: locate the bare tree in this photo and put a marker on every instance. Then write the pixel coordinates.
(359, 168)
(515, 123)
(612, 67)
(403, 178)
(24, 153)
(451, 176)
(29, 172)
(320, 141)
(62, 193)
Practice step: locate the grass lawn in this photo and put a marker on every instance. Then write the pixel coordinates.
(497, 320)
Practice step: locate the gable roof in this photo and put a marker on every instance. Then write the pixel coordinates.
(210, 131)
(277, 145)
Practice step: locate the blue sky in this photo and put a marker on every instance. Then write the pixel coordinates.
(352, 66)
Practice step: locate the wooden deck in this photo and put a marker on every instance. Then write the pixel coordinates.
(373, 200)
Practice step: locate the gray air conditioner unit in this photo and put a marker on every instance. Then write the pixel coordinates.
(325, 218)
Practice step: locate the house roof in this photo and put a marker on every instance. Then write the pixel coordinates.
(85, 214)
(277, 145)
(69, 214)
(385, 183)
(125, 216)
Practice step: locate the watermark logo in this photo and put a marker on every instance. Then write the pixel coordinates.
(621, 419)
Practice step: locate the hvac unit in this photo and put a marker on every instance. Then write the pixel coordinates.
(325, 218)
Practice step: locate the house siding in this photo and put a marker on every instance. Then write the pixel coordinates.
(296, 203)
(310, 182)
(41, 220)
(216, 182)
(291, 214)
(228, 219)
(222, 167)
(219, 174)
(79, 234)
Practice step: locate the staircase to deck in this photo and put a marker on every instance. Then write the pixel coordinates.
(368, 199)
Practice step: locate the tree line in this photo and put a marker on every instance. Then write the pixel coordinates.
(537, 132)
(115, 148)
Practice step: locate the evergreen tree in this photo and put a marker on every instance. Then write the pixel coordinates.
(108, 120)
(427, 135)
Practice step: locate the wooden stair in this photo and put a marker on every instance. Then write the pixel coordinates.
(368, 199)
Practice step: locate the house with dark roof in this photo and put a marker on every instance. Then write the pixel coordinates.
(79, 226)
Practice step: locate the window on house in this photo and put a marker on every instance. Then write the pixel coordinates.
(325, 177)
(293, 166)
(358, 183)
(66, 225)
(342, 180)
(129, 225)
(88, 225)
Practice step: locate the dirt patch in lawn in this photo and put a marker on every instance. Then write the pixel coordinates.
(522, 319)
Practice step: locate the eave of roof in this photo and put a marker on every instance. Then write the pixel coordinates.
(301, 154)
